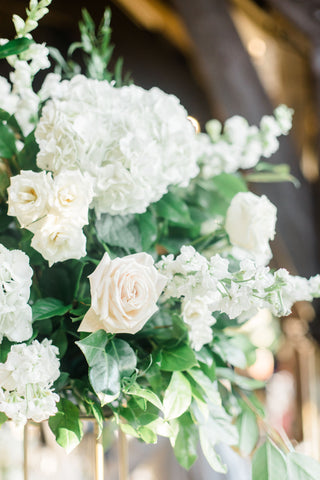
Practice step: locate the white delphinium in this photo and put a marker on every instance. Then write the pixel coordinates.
(208, 286)
(132, 142)
(250, 224)
(26, 380)
(54, 209)
(241, 145)
(15, 282)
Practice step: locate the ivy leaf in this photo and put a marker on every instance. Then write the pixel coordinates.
(177, 397)
(178, 358)
(302, 467)
(269, 463)
(66, 425)
(47, 308)
(124, 355)
(94, 346)
(185, 446)
(14, 47)
(248, 431)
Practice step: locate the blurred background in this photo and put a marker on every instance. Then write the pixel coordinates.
(223, 58)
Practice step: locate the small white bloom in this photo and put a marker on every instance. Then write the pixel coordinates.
(250, 224)
(124, 292)
(57, 239)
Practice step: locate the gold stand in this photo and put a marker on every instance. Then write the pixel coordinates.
(123, 456)
(98, 455)
(25, 452)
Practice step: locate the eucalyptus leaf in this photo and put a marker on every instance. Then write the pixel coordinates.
(269, 463)
(177, 397)
(119, 231)
(66, 425)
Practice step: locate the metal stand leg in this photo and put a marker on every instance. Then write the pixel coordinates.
(25, 452)
(123, 456)
(99, 455)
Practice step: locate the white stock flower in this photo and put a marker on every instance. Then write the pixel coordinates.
(250, 224)
(133, 143)
(28, 197)
(26, 379)
(15, 282)
(58, 239)
(198, 316)
(124, 292)
(8, 100)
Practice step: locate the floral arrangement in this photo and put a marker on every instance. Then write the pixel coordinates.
(131, 254)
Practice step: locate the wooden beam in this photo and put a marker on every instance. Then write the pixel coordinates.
(233, 87)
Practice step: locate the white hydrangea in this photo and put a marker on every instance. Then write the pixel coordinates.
(15, 282)
(54, 209)
(26, 379)
(241, 145)
(212, 286)
(133, 143)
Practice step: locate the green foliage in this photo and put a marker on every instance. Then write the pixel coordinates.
(269, 463)
(15, 47)
(66, 425)
(177, 358)
(177, 397)
(47, 308)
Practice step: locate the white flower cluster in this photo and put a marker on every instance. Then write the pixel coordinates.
(241, 145)
(54, 209)
(26, 379)
(133, 143)
(250, 224)
(15, 279)
(208, 286)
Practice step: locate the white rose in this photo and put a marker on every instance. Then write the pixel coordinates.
(124, 292)
(72, 195)
(28, 197)
(250, 224)
(58, 239)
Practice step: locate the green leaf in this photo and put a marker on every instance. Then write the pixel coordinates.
(48, 308)
(148, 229)
(240, 380)
(207, 446)
(229, 185)
(209, 388)
(94, 346)
(177, 397)
(179, 358)
(124, 355)
(59, 339)
(105, 379)
(185, 446)
(7, 142)
(301, 467)
(5, 347)
(248, 431)
(3, 418)
(137, 391)
(66, 425)
(269, 463)
(26, 158)
(14, 47)
(229, 351)
(119, 231)
(147, 435)
(175, 210)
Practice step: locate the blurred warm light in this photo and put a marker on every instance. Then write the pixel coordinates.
(195, 123)
(263, 367)
(257, 47)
